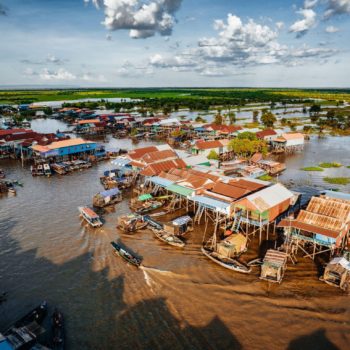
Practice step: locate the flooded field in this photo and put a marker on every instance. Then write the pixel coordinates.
(179, 300)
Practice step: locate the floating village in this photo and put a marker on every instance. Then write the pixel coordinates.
(218, 176)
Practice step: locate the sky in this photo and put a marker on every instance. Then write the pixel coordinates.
(175, 43)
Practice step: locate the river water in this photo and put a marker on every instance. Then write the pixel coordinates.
(179, 300)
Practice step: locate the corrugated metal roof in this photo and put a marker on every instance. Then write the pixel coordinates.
(269, 197)
(229, 190)
(157, 168)
(183, 191)
(293, 136)
(120, 161)
(182, 220)
(211, 203)
(68, 143)
(161, 181)
(208, 144)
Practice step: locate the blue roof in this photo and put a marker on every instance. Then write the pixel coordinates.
(111, 192)
(338, 195)
(161, 181)
(5, 345)
(210, 202)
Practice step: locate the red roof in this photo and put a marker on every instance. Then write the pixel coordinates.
(208, 144)
(157, 168)
(157, 156)
(230, 190)
(140, 152)
(224, 128)
(267, 132)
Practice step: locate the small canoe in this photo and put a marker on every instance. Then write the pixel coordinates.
(118, 250)
(228, 263)
(168, 238)
(90, 217)
(57, 330)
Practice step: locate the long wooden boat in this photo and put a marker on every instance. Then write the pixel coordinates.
(58, 342)
(90, 217)
(148, 207)
(168, 238)
(131, 223)
(228, 263)
(119, 251)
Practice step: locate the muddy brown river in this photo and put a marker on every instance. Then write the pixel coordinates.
(179, 299)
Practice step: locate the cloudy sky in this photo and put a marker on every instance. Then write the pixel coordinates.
(141, 43)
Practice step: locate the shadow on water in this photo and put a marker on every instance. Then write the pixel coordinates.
(96, 315)
(315, 341)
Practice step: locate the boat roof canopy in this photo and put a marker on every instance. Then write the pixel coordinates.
(111, 192)
(182, 220)
(145, 197)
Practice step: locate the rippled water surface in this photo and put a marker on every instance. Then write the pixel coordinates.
(179, 300)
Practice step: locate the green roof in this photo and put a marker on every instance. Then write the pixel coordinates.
(145, 197)
(183, 191)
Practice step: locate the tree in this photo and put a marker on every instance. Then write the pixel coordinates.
(314, 112)
(247, 135)
(232, 117)
(246, 148)
(255, 116)
(268, 119)
(200, 119)
(213, 155)
(218, 119)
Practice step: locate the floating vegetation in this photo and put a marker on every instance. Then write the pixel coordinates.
(330, 165)
(312, 168)
(265, 178)
(337, 180)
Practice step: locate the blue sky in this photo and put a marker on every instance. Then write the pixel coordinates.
(141, 43)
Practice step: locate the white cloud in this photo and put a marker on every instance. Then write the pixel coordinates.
(60, 74)
(238, 46)
(279, 25)
(142, 18)
(130, 70)
(332, 29)
(309, 4)
(337, 7)
(302, 26)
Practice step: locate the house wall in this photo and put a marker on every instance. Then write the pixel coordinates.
(295, 142)
(278, 209)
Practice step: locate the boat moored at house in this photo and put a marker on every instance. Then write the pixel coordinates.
(105, 198)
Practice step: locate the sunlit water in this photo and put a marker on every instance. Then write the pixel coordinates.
(179, 300)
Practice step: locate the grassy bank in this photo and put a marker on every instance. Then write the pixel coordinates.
(337, 180)
(243, 95)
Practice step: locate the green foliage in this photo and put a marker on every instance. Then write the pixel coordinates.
(311, 168)
(213, 155)
(232, 117)
(337, 180)
(200, 119)
(246, 147)
(330, 165)
(268, 119)
(247, 135)
(218, 120)
(265, 177)
(133, 132)
(255, 116)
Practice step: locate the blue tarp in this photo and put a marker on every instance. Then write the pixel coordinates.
(182, 220)
(111, 192)
(211, 203)
(161, 181)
